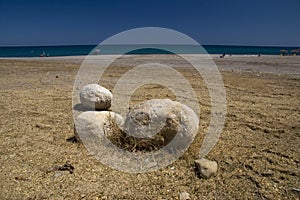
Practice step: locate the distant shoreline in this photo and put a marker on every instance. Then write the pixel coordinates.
(272, 64)
(82, 57)
(83, 50)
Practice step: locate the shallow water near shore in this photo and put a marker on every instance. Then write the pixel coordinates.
(46, 51)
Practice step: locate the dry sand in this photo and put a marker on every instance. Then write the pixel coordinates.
(258, 152)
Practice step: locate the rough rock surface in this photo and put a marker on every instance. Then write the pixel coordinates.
(95, 96)
(92, 124)
(206, 168)
(159, 120)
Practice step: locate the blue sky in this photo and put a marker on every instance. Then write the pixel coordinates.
(230, 22)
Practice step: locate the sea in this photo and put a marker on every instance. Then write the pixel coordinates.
(72, 50)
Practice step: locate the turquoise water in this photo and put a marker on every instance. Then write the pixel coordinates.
(36, 51)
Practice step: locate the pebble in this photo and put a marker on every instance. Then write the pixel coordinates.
(206, 168)
(184, 196)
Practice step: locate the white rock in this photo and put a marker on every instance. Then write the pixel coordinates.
(96, 97)
(206, 168)
(184, 196)
(159, 120)
(92, 124)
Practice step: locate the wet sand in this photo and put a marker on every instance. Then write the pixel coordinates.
(257, 153)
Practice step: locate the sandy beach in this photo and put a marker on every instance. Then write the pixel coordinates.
(257, 153)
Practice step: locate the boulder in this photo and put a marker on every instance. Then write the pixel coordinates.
(93, 124)
(154, 134)
(96, 97)
(206, 168)
(157, 121)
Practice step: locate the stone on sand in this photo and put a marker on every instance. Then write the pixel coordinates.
(206, 168)
(96, 97)
(184, 196)
(94, 124)
(159, 120)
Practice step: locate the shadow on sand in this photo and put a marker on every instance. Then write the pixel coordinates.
(81, 107)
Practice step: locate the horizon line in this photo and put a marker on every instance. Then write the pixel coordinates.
(64, 45)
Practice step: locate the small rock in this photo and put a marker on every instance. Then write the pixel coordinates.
(21, 178)
(206, 168)
(57, 174)
(96, 97)
(184, 196)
